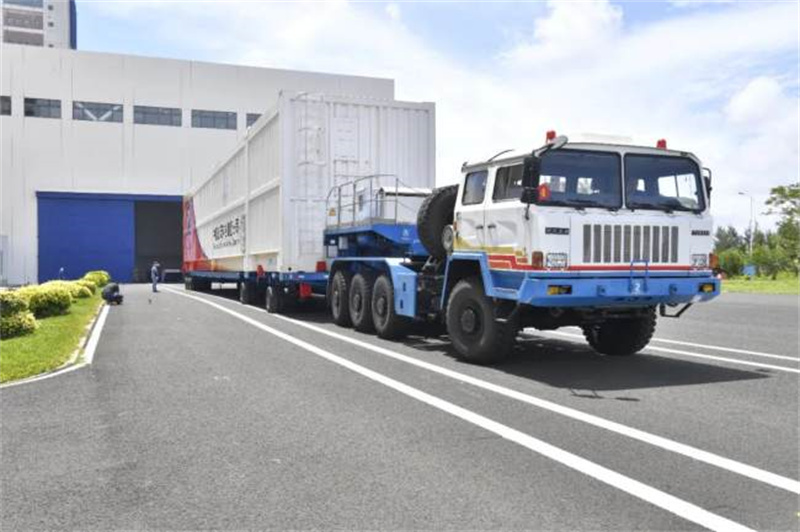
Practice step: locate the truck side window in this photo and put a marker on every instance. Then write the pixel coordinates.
(508, 183)
(474, 188)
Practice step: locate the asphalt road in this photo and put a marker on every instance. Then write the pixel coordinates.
(199, 416)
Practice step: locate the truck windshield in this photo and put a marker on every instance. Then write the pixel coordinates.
(663, 183)
(577, 178)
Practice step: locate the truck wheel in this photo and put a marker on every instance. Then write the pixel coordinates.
(436, 213)
(622, 337)
(274, 300)
(245, 293)
(477, 336)
(361, 303)
(388, 324)
(188, 283)
(339, 294)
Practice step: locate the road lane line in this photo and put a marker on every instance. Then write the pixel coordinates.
(681, 352)
(707, 457)
(645, 492)
(91, 347)
(710, 347)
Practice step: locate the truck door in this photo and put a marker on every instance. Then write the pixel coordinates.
(470, 212)
(505, 223)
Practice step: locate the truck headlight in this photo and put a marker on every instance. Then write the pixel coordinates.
(699, 261)
(557, 261)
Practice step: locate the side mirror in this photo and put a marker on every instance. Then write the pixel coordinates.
(531, 170)
(707, 179)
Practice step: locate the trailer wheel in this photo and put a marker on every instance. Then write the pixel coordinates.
(188, 283)
(274, 300)
(434, 215)
(388, 324)
(361, 303)
(623, 337)
(339, 299)
(245, 293)
(477, 335)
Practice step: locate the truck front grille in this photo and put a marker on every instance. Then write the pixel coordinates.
(605, 243)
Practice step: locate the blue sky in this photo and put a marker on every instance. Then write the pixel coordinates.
(718, 79)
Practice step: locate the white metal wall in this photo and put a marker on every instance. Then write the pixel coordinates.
(40, 154)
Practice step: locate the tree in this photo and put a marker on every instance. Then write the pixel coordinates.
(785, 200)
(770, 261)
(727, 238)
(732, 261)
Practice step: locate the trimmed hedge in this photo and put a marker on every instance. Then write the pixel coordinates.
(98, 277)
(92, 287)
(75, 290)
(17, 324)
(12, 303)
(46, 300)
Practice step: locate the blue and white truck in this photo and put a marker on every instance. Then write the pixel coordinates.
(605, 236)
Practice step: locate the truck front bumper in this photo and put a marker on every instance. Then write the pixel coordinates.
(616, 291)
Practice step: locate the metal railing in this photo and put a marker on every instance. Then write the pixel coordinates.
(370, 199)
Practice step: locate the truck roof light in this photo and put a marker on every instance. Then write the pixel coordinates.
(550, 135)
(662, 144)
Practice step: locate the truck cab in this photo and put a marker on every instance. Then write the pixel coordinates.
(593, 234)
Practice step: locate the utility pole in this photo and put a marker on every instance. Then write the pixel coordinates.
(752, 218)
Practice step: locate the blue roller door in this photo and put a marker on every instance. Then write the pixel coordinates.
(82, 232)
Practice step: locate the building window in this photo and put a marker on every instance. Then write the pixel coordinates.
(161, 116)
(5, 105)
(49, 24)
(17, 18)
(42, 108)
(252, 117)
(97, 112)
(213, 119)
(26, 3)
(23, 37)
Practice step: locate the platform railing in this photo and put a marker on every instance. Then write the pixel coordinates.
(368, 199)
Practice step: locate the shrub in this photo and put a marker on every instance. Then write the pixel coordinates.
(98, 277)
(12, 303)
(88, 284)
(732, 261)
(17, 324)
(47, 301)
(75, 290)
(770, 261)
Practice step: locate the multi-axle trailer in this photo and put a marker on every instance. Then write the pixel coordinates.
(603, 236)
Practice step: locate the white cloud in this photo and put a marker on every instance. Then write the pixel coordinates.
(697, 79)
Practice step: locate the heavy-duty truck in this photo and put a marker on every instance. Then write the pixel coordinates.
(600, 235)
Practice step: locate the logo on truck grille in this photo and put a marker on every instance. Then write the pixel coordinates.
(625, 243)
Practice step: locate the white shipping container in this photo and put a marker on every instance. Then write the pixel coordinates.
(267, 204)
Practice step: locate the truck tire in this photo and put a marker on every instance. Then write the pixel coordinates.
(273, 300)
(361, 303)
(623, 337)
(339, 299)
(436, 213)
(478, 337)
(188, 283)
(388, 324)
(245, 293)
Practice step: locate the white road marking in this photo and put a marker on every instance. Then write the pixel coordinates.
(661, 499)
(684, 353)
(711, 347)
(91, 347)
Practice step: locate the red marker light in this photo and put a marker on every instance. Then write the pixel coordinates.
(662, 144)
(304, 291)
(543, 192)
(550, 136)
(322, 266)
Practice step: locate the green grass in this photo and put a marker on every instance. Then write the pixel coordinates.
(784, 284)
(50, 346)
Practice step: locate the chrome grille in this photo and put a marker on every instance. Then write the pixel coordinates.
(614, 243)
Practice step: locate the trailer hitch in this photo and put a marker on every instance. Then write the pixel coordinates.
(662, 311)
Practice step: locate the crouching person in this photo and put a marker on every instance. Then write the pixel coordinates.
(111, 294)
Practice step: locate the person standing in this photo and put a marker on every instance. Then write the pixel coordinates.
(154, 274)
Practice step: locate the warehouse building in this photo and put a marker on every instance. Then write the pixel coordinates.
(97, 150)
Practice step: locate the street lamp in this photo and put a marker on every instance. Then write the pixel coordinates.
(750, 240)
